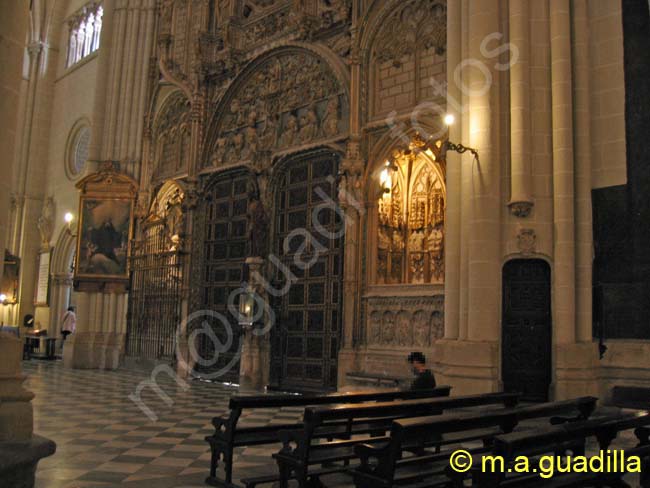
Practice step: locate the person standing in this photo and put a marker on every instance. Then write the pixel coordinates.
(68, 323)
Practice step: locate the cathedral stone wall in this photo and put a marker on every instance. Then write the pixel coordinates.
(243, 103)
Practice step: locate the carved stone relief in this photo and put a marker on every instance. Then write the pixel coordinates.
(410, 239)
(416, 25)
(290, 100)
(171, 137)
(406, 322)
(45, 222)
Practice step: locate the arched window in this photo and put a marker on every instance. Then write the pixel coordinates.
(410, 221)
(84, 33)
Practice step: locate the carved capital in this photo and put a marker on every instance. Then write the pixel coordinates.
(521, 209)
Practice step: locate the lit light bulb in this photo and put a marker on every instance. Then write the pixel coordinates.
(3, 298)
(450, 119)
(68, 217)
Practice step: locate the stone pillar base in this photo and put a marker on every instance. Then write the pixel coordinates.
(255, 362)
(576, 371)
(468, 367)
(79, 351)
(348, 362)
(93, 350)
(18, 461)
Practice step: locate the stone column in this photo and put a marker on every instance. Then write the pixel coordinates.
(521, 201)
(576, 354)
(453, 217)
(563, 184)
(20, 449)
(471, 363)
(255, 363)
(120, 107)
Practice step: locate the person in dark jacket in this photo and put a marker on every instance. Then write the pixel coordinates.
(424, 379)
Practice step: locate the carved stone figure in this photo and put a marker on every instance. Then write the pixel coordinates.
(258, 224)
(416, 267)
(219, 152)
(404, 328)
(375, 327)
(437, 325)
(421, 332)
(269, 136)
(252, 139)
(398, 240)
(308, 125)
(238, 146)
(435, 240)
(383, 240)
(46, 222)
(331, 118)
(288, 137)
(388, 332)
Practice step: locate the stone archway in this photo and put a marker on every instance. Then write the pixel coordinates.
(61, 273)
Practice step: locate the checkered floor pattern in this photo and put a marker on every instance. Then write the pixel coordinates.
(105, 440)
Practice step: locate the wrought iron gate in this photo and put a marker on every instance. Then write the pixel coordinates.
(305, 338)
(526, 328)
(225, 247)
(155, 296)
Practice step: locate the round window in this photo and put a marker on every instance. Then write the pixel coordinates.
(78, 151)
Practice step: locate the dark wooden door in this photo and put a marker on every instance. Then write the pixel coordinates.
(225, 246)
(526, 328)
(305, 339)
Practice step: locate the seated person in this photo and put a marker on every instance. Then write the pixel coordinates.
(424, 379)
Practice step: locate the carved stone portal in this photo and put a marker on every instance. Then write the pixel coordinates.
(291, 100)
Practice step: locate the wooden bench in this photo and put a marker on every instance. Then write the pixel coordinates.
(376, 379)
(386, 466)
(228, 435)
(305, 457)
(631, 397)
(559, 439)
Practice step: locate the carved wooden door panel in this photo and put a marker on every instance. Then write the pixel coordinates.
(526, 328)
(305, 338)
(225, 248)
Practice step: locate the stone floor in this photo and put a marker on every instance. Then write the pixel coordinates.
(105, 440)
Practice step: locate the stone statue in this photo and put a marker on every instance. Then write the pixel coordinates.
(237, 146)
(331, 118)
(434, 240)
(258, 224)
(270, 134)
(252, 139)
(46, 222)
(308, 125)
(290, 132)
(219, 152)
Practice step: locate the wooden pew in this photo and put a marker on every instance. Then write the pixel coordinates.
(570, 437)
(304, 455)
(386, 466)
(228, 435)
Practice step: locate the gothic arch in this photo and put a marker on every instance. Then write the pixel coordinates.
(402, 46)
(384, 148)
(289, 96)
(61, 277)
(169, 129)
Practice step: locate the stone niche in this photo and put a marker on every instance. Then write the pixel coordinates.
(400, 320)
